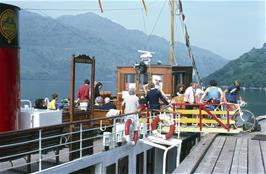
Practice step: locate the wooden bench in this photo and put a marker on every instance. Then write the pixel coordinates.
(27, 143)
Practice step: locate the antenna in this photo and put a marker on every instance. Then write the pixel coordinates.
(146, 56)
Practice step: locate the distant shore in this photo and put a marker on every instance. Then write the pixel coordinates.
(260, 88)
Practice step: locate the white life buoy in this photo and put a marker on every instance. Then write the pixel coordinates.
(155, 122)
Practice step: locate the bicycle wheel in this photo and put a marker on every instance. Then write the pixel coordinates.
(247, 120)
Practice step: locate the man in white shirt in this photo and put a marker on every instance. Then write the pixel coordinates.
(193, 93)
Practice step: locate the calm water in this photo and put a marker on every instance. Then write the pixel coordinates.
(32, 89)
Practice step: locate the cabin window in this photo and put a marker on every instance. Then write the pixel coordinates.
(179, 78)
(157, 79)
(150, 161)
(130, 81)
(110, 169)
(88, 170)
(139, 162)
(123, 165)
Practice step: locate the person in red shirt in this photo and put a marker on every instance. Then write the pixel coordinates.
(84, 91)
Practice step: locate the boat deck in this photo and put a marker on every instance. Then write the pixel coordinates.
(223, 153)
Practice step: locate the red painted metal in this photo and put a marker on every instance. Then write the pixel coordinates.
(228, 118)
(9, 68)
(200, 116)
(202, 106)
(9, 88)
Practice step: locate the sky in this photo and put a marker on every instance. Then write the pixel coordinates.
(227, 28)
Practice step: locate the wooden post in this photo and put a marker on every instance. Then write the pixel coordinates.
(92, 86)
(171, 51)
(200, 114)
(71, 104)
(228, 118)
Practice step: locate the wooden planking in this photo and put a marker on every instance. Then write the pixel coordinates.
(255, 164)
(208, 162)
(191, 162)
(240, 164)
(224, 161)
(263, 153)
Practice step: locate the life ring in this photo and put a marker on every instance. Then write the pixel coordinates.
(155, 122)
(127, 132)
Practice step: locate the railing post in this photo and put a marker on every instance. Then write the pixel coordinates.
(200, 114)
(114, 133)
(40, 149)
(150, 121)
(228, 118)
(80, 142)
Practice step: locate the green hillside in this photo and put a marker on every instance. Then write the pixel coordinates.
(47, 44)
(249, 69)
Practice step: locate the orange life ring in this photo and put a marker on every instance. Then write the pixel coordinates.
(154, 124)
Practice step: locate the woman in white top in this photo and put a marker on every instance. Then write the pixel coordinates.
(131, 104)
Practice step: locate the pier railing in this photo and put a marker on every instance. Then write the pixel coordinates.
(220, 113)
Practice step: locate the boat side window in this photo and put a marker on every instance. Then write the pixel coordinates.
(130, 81)
(123, 165)
(140, 163)
(111, 169)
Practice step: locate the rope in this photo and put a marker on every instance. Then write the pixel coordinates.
(156, 22)
(187, 42)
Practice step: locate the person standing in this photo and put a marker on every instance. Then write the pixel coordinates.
(131, 104)
(153, 97)
(53, 103)
(232, 93)
(213, 93)
(97, 88)
(131, 101)
(84, 91)
(193, 93)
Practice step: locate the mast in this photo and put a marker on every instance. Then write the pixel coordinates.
(171, 51)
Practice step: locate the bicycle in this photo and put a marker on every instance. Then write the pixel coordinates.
(243, 118)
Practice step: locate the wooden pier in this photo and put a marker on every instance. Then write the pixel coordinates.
(223, 153)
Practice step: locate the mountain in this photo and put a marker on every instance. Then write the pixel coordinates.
(48, 43)
(249, 69)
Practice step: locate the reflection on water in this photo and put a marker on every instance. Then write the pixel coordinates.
(32, 89)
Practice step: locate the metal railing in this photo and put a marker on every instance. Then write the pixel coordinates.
(74, 140)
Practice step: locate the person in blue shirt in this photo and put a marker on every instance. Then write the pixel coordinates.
(213, 94)
(154, 96)
(232, 93)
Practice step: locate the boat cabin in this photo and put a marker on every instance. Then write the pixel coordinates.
(137, 77)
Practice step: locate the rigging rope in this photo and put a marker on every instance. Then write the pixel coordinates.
(156, 22)
(100, 5)
(149, 37)
(145, 7)
(186, 38)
